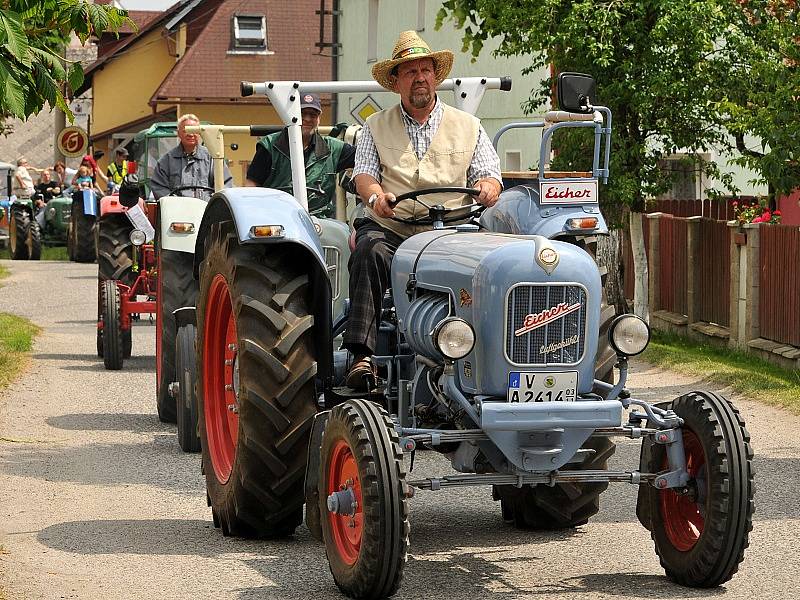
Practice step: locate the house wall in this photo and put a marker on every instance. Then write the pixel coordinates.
(497, 108)
(123, 86)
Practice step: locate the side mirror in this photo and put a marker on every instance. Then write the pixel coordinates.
(575, 92)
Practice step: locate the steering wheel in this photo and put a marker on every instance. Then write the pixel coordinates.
(439, 212)
(180, 188)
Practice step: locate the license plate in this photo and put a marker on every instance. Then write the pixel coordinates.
(542, 387)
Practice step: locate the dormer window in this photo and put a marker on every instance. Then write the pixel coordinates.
(249, 33)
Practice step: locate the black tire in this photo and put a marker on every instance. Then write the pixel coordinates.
(81, 243)
(18, 223)
(359, 437)
(176, 288)
(127, 343)
(718, 451)
(113, 351)
(186, 374)
(259, 491)
(34, 241)
(115, 252)
(562, 506)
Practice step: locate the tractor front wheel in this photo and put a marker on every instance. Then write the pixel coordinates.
(256, 388)
(18, 225)
(176, 288)
(33, 240)
(363, 500)
(701, 532)
(186, 373)
(113, 347)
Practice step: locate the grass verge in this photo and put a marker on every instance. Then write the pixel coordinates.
(16, 340)
(48, 253)
(744, 373)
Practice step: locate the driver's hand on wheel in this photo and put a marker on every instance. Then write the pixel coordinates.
(380, 205)
(489, 191)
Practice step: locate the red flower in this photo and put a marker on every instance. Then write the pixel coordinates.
(777, 213)
(735, 203)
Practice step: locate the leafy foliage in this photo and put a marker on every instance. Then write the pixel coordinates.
(32, 38)
(762, 98)
(659, 66)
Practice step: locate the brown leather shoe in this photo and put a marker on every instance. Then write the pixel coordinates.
(362, 374)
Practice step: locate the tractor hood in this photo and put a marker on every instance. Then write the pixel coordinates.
(512, 289)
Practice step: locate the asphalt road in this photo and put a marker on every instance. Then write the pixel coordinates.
(97, 500)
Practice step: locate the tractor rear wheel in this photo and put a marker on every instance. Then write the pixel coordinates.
(186, 374)
(113, 351)
(256, 391)
(81, 244)
(363, 500)
(701, 535)
(176, 288)
(115, 251)
(18, 223)
(563, 505)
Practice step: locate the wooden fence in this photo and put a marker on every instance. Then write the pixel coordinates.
(714, 268)
(779, 284)
(673, 273)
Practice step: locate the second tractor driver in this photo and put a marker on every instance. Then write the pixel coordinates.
(324, 156)
(420, 143)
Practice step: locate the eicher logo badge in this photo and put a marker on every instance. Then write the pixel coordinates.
(569, 192)
(548, 315)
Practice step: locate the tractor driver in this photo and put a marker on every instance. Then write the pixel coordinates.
(189, 163)
(119, 168)
(324, 157)
(420, 143)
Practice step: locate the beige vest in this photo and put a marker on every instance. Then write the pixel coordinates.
(444, 164)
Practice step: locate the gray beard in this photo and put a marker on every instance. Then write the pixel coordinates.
(420, 99)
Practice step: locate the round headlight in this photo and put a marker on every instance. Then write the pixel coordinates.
(51, 212)
(137, 237)
(629, 335)
(454, 337)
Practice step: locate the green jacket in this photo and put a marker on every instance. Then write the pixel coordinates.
(320, 169)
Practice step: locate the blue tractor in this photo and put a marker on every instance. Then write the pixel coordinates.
(494, 351)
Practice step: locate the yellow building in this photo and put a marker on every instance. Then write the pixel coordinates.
(191, 58)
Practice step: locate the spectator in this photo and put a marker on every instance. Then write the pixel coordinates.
(23, 182)
(47, 188)
(60, 171)
(83, 178)
(94, 171)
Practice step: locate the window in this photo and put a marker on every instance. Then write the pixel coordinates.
(686, 177)
(249, 33)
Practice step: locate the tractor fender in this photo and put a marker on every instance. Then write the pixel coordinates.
(520, 212)
(180, 209)
(248, 207)
(111, 205)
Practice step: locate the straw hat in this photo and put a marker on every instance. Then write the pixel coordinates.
(409, 47)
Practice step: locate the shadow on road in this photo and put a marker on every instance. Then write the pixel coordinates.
(139, 364)
(81, 277)
(137, 423)
(158, 462)
(296, 567)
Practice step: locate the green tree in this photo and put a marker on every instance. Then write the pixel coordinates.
(762, 99)
(32, 36)
(658, 65)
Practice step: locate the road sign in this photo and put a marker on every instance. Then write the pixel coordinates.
(364, 109)
(73, 141)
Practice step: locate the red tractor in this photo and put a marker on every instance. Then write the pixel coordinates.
(127, 273)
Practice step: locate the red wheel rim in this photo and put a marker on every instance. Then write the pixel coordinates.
(682, 514)
(346, 529)
(220, 367)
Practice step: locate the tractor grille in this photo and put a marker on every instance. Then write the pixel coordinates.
(332, 260)
(549, 337)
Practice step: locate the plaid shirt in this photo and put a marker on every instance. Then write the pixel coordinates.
(484, 163)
